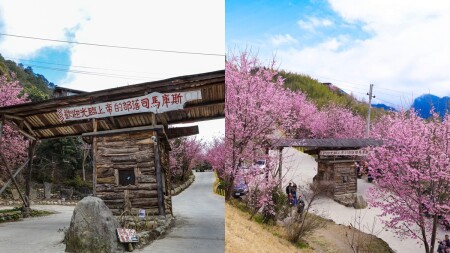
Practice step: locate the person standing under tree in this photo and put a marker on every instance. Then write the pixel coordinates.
(294, 194)
(288, 193)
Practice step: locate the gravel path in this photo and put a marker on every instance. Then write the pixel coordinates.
(200, 220)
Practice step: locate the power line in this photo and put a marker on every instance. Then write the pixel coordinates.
(93, 73)
(79, 66)
(111, 46)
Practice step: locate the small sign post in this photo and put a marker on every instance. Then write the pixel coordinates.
(142, 213)
(127, 235)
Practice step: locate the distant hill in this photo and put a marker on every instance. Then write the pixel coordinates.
(426, 102)
(385, 107)
(35, 85)
(325, 93)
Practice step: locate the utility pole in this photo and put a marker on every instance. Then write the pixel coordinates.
(370, 106)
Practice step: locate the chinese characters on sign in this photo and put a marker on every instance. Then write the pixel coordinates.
(127, 235)
(154, 102)
(359, 152)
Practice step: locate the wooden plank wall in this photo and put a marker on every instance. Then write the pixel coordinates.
(335, 172)
(123, 152)
(347, 170)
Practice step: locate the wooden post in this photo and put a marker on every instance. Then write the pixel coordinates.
(153, 119)
(1, 130)
(31, 150)
(94, 156)
(161, 207)
(280, 168)
(85, 153)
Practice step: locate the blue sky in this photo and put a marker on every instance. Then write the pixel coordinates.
(398, 46)
(254, 21)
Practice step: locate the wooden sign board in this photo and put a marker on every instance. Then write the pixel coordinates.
(127, 235)
(358, 152)
(154, 102)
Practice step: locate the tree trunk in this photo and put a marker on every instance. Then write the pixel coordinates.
(433, 233)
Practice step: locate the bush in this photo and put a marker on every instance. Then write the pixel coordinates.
(302, 225)
(279, 199)
(77, 183)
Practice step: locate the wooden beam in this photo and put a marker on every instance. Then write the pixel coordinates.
(13, 179)
(70, 123)
(177, 132)
(18, 170)
(7, 116)
(153, 119)
(30, 129)
(213, 103)
(113, 122)
(23, 122)
(175, 84)
(124, 130)
(15, 127)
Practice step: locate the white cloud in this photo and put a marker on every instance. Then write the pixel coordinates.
(280, 39)
(168, 25)
(46, 18)
(193, 26)
(408, 53)
(311, 23)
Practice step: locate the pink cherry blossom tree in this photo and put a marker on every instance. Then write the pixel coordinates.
(412, 174)
(215, 155)
(12, 145)
(301, 113)
(255, 105)
(336, 121)
(185, 154)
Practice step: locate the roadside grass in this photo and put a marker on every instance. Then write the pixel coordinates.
(15, 214)
(245, 235)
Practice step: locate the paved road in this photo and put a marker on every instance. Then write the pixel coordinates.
(200, 225)
(38, 234)
(200, 221)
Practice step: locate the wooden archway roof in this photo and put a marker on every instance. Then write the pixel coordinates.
(40, 120)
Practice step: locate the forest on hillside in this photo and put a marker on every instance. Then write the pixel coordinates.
(323, 95)
(58, 161)
(35, 85)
